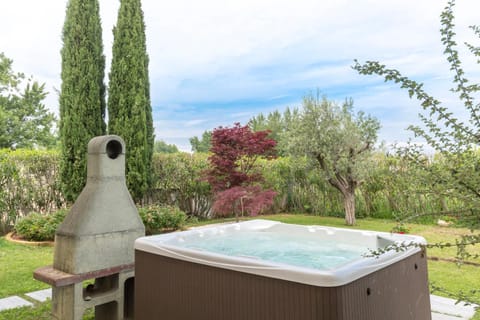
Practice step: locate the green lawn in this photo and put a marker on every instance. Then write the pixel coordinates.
(41, 311)
(17, 262)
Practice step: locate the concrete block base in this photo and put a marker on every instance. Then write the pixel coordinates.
(109, 296)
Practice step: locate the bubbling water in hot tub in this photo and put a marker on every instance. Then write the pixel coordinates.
(318, 255)
(296, 250)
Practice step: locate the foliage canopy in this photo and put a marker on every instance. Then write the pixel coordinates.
(24, 120)
(338, 140)
(203, 144)
(232, 175)
(163, 147)
(456, 141)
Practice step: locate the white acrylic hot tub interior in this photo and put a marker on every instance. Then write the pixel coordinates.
(316, 255)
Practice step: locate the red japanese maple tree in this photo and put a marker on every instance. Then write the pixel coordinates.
(235, 183)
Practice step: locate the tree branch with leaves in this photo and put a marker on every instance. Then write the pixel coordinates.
(25, 122)
(455, 140)
(233, 178)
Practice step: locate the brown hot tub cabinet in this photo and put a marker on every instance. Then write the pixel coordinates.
(181, 289)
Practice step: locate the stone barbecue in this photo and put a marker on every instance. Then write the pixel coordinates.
(96, 241)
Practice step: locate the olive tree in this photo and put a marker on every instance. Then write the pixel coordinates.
(338, 140)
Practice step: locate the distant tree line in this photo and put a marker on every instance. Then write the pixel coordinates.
(161, 146)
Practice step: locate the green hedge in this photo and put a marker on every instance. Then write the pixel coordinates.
(301, 187)
(29, 183)
(177, 180)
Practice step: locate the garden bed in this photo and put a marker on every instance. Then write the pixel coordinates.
(13, 237)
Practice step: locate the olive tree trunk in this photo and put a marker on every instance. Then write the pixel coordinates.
(349, 205)
(347, 186)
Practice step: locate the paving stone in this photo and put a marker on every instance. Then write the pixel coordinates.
(13, 302)
(447, 306)
(41, 295)
(440, 316)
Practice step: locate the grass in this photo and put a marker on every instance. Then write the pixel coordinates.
(40, 311)
(17, 262)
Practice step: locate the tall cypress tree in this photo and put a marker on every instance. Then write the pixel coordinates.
(82, 96)
(129, 109)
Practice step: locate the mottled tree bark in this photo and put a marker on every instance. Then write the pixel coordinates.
(349, 205)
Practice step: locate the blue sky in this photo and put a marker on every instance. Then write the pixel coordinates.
(216, 62)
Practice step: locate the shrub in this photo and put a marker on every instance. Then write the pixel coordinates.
(177, 181)
(39, 227)
(28, 183)
(159, 218)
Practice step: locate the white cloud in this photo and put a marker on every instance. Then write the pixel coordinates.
(213, 60)
(194, 122)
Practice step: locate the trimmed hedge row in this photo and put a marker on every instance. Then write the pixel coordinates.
(29, 183)
(177, 180)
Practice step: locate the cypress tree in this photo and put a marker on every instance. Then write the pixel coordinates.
(82, 96)
(129, 109)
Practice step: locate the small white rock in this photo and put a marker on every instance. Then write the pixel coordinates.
(443, 223)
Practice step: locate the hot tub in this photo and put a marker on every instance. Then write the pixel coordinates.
(262, 269)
